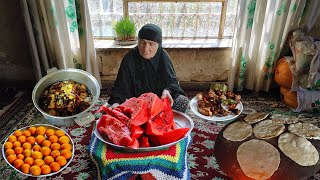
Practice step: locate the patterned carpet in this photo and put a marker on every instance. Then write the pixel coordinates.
(201, 157)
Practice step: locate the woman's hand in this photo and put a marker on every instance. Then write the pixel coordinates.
(166, 94)
(114, 105)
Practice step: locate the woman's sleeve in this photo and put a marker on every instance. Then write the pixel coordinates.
(121, 88)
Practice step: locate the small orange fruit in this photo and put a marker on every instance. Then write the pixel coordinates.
(45, 169)
(26, 133)
(11, 158)
(27, 152)
(46, 143)
(48, 160)
(38, 162)
(59, 133)
(20, 156)
(17, 133)
(22, 139)
(32, 130)
(45, 151)
(26, 145)
(66, 146)
(40, 139)
(25, 168)
(66, 153)
(9, 152)
(61, 160)
(8, 145)
(28, 160)
(18, 163)
(55, 146)
(64, 139)
(55, 153)
(55, 166)
(53, 138)
(18, 150)
(41, 130)
(36, 155)
(31, 140)
(12, 138)
(36, 147)
(16, 144)
(49, 132)
(35, 170)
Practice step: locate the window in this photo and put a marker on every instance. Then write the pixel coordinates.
(177, 18)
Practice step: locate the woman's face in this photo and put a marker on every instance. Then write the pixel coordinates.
(147, 48)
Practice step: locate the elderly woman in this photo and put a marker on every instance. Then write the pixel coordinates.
(148, 68)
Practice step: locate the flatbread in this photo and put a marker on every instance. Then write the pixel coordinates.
(284, 119)
(255, 117)
(299, 149)
(268, 129)
(237, 131)
(258, 159)
(306, 130)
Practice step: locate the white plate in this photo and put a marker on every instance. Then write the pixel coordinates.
(194, 109)
(182, 121)
(48, 127)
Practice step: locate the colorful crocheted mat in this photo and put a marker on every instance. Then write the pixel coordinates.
(169, 163)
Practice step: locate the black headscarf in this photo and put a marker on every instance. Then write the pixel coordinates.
(138, 75)
(151, 32)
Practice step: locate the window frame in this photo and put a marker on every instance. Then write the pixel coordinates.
(222, 14)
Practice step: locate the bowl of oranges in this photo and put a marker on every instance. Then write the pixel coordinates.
(39, 150)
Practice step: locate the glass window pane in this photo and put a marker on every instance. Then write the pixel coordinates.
(177, 19)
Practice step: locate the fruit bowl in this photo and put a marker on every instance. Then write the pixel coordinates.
(48, 150)
(181, 120)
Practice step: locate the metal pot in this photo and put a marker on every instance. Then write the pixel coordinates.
(61, 75)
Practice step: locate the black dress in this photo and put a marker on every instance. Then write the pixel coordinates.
(137, 76)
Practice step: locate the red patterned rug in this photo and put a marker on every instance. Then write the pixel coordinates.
(201, 157)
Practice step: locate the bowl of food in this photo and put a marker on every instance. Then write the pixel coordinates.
(39, 150)
(66, 95)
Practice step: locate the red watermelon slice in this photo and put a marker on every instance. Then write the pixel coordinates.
(161, 123)
(117, 114)
(172, 136)
(134, 144)
(116, 131)
(154, 103)
(144, 141)
(136, 131)
(140, 114)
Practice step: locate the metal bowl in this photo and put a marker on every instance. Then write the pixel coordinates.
(48, 127)
(77, 75)
(182, 121)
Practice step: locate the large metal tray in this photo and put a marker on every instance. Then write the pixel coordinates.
(182, 121)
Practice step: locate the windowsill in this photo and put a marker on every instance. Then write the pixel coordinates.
(172, 43)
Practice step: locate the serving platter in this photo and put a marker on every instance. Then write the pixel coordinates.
(226, 156)
(182, 121)
(47, 126)
(194, 109)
